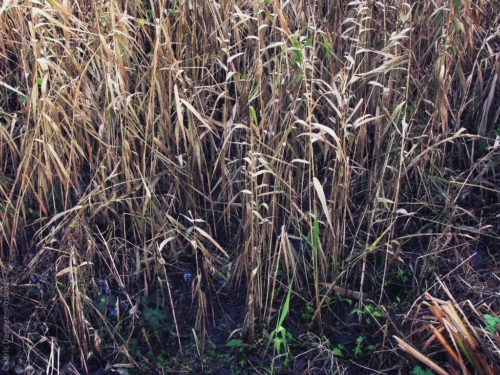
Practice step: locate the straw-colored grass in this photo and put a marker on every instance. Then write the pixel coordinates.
(304, 152)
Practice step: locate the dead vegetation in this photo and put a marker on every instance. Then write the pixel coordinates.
(313, 160)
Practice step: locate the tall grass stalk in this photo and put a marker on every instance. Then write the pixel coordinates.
(266, 141)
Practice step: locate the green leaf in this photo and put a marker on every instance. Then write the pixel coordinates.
(286, 306)
(417, 370)
(153, 323)
(491, 322)
(337, 352)
(154, 318)
(253, 113)
(234, 343)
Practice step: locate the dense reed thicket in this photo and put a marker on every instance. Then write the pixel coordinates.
(312, 160)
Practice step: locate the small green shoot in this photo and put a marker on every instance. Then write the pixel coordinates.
(358, 350)
(417, 370)
(280, 336)
(368, 312)
(235, 344)
(492, 323)
(338, 350)
(154, 317)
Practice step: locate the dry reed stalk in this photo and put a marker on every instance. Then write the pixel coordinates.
(366, 130)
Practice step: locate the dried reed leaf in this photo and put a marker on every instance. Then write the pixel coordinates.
(322, 198)
(211, 239)
(445, 344)
(419, 356)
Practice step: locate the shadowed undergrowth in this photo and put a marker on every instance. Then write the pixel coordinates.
(272, 184)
